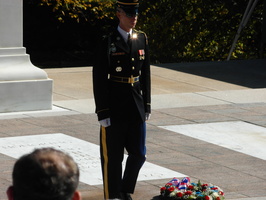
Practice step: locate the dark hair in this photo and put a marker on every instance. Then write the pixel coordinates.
(45, 174)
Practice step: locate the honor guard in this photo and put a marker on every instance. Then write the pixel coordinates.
(122, 91)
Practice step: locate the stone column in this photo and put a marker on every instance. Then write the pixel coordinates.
(23, 87)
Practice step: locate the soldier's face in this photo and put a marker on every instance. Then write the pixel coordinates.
(127, 21)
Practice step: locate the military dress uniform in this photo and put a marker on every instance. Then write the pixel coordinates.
(121, 82)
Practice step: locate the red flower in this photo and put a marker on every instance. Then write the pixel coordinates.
(163, 189)
(188, 192)
(190, 187)
(171, 189)
(179, 194)
(218, 198)
(214, 188)
(207, 198)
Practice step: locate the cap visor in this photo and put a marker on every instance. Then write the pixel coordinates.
(131, 10)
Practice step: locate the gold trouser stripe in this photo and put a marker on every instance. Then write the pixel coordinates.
(105, 169)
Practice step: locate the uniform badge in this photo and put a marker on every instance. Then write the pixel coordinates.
(141, 54)
(118, 54)
(118, 69)
(113, 48)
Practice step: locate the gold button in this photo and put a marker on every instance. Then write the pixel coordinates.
(133, 59)
(133, 68)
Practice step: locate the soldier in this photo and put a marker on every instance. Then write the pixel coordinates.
(121, 83)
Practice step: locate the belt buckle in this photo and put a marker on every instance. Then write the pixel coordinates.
(131, 80)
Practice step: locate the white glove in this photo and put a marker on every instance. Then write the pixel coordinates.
(105, 122)
(147, 116)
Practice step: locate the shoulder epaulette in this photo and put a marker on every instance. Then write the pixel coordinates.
(141, 32)
(138, 31)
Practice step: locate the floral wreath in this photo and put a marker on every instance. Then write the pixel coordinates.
(176, 189)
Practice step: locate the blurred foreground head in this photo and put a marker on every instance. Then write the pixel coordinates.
(45, 174)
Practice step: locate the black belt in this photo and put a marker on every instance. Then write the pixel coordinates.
(120, 79)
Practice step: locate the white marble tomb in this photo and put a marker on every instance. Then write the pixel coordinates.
(84, 153)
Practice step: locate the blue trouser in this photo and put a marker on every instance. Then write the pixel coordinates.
(129, 135)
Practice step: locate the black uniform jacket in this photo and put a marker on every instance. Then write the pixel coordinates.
(115, 58)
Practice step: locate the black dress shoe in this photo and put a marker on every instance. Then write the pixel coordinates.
(126, 196)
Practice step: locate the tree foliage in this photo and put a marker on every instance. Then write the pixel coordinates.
(199, 30)
(77, 9)
(178, 31)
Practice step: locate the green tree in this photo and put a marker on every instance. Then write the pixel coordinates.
(199, 30)
(79, 9)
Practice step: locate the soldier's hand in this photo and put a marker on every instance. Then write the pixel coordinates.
(147, 116)
(105, 122)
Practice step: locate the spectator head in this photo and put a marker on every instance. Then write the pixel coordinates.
(45, 174)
